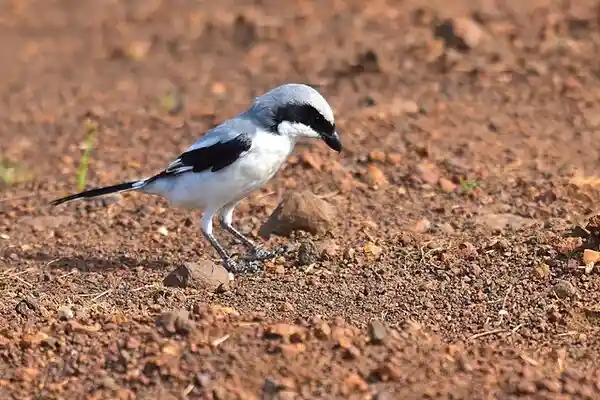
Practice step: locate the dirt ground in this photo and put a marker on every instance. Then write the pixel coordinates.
(465, 196)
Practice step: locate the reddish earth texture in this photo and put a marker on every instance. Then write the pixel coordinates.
(458, 261)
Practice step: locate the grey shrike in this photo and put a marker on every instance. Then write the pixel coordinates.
(235, 158)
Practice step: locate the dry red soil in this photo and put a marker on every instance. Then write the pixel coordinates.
(465, 197)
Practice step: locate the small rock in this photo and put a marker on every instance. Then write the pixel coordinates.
(447, 185)
(428, 173)
(299, 211)
(132, 343)
(294, 333)
(564, 289)
(33, 339)
(138, 50)
(308, 253)
(202, 379)
(349, 253)
(77, 327)
(542, 271)
(171, 322)
(351, 353)
(354, 383)
(526, 387)
(203, 274)
(323, 331)
(65, 313)
(467, 249)
(292, 349)
(422, 226)
(328, 248)
(270, 389)
(377, 155)
(500, 222)
(287, 395)
(50, 342)
(311, 160)
(109, 383)
(163, 231)
(593, 224)
(394, 158)
(344, 342)
(372, 249)
(568, 244)
(469, 31)
(590, 256)
(375, 176)
(26, 306)
(280, 269)
(461, 34)
(446, 228)
(551, 385)
(387, 372)
(389, 395)
(377, 331)
(25, 374)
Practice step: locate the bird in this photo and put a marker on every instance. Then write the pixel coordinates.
(235, 158)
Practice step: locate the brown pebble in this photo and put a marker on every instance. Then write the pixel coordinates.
(526, 387)
(377, 155)
(351, 353)
(542, 270)
(375, 176)
(428, 173)
(377, 331)
(171, 322)
(323, 331)
(447, 185)
(550, 385)
(564, 289)
(292, 349)
(308, 253)
(394, 158)
(354, 383)
(299, 211)
(204, 274)
(467, 249)
(294, 333)
(422, 226)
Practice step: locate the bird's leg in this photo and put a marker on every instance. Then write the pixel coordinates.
(258, 253)
(229, 264)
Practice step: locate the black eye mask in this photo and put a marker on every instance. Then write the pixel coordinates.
(304, 114)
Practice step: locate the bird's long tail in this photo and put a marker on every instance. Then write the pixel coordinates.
(102, 191)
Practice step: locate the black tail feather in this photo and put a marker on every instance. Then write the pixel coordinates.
(121, 187)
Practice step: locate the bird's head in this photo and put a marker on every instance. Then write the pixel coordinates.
(298, 111)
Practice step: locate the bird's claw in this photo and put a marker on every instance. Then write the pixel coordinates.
(262, 254)
(258, 254)
(251, 263)
(241, 267)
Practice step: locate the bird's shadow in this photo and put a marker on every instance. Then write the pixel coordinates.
(85, 263)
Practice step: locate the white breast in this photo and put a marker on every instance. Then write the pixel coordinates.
(267, 154)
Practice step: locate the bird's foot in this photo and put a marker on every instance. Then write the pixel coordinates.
(259, 254)
(246, 266)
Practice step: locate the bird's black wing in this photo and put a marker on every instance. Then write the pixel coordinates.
(213, 157)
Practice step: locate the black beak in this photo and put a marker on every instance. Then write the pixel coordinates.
(333, 141)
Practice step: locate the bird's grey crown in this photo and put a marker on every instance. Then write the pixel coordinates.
(294, 103)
